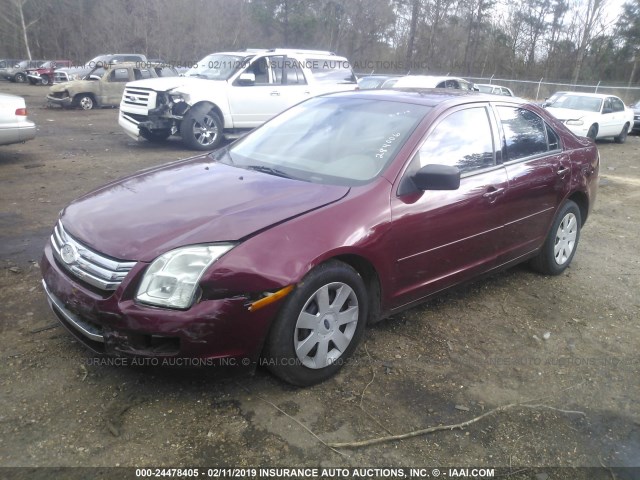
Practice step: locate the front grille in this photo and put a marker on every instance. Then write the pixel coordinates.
(89, 266)
(139, 97)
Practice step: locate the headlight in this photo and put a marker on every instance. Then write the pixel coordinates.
(172, 279)
(575, 122)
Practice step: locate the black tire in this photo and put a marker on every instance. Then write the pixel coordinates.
(155, 136)
(44, 80)
(201, 129)
(20, 78)
(558, 249)
(623, 134)
(84, 101)
(344, 291)
(593, 132)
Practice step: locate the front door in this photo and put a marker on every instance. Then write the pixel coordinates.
(444, 237)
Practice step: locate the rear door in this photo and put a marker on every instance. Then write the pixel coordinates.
(444, 237)
(539, 173)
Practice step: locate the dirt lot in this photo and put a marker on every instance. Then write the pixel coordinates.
(567, 346)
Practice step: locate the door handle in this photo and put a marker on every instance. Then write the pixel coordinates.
(563, 171)
(275, 93)
(493, 193)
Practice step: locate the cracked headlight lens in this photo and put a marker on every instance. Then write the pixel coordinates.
(172, 279)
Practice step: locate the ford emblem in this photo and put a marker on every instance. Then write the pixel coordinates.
(68, 253)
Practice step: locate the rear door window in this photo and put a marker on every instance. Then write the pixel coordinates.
(525, 133)
(330, 70)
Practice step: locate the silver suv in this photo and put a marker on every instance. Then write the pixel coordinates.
(228, 93)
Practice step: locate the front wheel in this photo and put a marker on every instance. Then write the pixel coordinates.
(623, 134)
(593, 132)
(85, 102)
(319, 326)
(20, 78)
(201, 129)
(562, 241)
(155, 136)
(44, 80)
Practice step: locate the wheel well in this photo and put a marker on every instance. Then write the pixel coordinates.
(78, 95)
(371, 280)
(211, 106)
(582, 201)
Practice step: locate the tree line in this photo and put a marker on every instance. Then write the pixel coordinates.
(573, 41)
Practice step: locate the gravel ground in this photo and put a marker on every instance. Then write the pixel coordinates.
(567, 346)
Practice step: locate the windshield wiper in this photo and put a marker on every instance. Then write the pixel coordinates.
(269, 170)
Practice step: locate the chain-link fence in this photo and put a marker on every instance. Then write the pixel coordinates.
(540, 90)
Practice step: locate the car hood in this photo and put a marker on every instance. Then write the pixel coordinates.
(568, 113)
(164, 84)
(86, 85)
(186, 203)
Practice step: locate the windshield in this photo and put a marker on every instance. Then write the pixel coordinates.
(217, 67)
(578, 102)
(332, 140)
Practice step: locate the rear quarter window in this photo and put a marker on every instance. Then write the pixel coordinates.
(328, 70)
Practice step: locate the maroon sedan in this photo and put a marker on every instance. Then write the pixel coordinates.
(343, 210)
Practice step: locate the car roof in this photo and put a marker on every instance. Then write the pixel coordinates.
(592, 95)
(424, 96)
(251, 52)
(426, 81)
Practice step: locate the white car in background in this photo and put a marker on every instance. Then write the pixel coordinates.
(593, 115)
(494, 89)
(14, 125)
(430, 81)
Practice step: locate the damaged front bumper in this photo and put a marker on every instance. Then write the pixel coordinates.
(112, 323)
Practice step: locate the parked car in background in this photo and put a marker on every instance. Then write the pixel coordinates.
(104, 86)
(15, 127)
(341, 211)
(43, 75)
(593, 115)
(375, 81)
(18, 72)
(636, 116)
(429, 81)
(6, 63)
(548, 101)
(493, 89)
(226, 94)
(103, 60)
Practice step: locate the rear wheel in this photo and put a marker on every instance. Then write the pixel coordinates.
(593, 132)
(319, 326)
(623, 134)
(201, 129)
(155, 136)
(44, 80)
(562, 241)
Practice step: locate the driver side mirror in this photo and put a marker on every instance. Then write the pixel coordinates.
(94, 77)
(437, 177)
(247, 78)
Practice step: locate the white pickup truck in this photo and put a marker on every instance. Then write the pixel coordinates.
(228, 93)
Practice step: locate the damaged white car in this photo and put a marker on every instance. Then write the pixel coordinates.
(227, 94)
